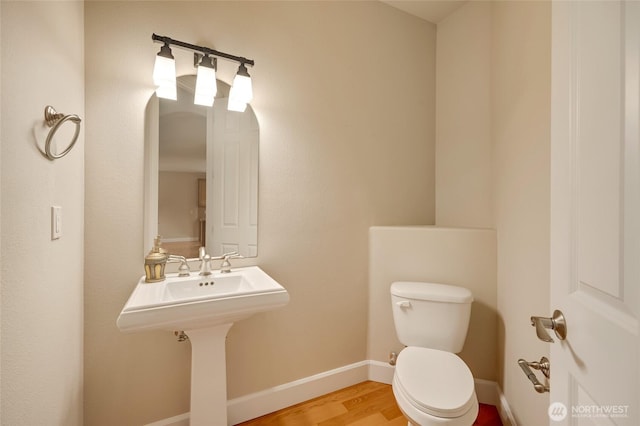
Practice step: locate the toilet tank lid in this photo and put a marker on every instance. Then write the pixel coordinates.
(431, 291)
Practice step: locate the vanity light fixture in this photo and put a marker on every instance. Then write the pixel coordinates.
(164, 73)
(241, 91)
(206, 87)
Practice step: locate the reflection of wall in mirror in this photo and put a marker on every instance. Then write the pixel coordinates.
(179, 212)
(202, 192)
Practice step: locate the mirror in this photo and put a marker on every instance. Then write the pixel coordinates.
(201, 174)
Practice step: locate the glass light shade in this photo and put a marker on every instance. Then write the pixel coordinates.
(164, 75)
(167, 92)
(164, 70)
(241, 91)
(206, 87)
(235, 105)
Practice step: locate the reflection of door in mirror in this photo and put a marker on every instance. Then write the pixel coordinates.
(201, 175)
(232, 149)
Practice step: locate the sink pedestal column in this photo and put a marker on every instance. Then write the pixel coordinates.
(208, 376)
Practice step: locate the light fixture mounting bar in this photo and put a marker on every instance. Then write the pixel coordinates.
(201, 49)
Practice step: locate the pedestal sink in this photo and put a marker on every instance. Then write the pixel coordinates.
(205, 308)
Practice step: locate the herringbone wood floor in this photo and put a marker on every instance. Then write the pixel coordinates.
(364, 404)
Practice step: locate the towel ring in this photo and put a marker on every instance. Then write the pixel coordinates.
(54, 120)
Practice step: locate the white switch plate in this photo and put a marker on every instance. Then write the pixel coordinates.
(56, 222)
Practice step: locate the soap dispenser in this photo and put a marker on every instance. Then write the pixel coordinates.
(154, 262)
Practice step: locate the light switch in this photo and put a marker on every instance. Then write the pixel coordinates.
(56, 222)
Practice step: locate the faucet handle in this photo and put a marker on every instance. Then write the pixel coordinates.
(183, 269)
(232, 255)
(225, 267)
(201, 253)
(226, 256)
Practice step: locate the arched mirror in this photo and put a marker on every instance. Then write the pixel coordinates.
(201, 175)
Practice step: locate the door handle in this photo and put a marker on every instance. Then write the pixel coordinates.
(557, 323)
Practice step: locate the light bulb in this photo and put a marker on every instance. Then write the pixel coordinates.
(235, 105)
(206, 87)
(241, 91)
(164, 73)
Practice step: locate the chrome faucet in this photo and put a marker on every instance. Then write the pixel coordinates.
(205, 262)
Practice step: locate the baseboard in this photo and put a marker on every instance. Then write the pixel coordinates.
(505, 411)
(181, 420)
(181, 240)
(381, 372)
(278, 397)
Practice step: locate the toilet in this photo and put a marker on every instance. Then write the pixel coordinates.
(431, 384)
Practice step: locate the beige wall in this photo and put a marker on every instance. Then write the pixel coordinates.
(344, 94)
(521, 89)
(463, 118)
(42, 280)
(513, 40)
(1, 131)
(463, 257)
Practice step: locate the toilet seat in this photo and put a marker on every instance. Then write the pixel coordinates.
(435, 382)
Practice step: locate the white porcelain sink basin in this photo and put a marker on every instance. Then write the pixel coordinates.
(187, 303)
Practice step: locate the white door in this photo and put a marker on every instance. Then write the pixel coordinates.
(595, 212)
(232, 180)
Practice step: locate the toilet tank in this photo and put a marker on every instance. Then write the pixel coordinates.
(431, 315)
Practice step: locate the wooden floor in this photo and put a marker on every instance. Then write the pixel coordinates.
(364, 404)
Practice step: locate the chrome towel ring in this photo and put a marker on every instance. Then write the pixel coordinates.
(54, 120)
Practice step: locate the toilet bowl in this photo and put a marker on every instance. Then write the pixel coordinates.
(434, 387)
(431, 384)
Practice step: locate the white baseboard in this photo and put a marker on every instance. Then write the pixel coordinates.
(181, 420)
(505, 411)
(278, 397)
(381, 372)
(181, 240)
(267, 401)
(488, 392)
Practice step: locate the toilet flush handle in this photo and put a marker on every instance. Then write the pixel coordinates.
(404, 304)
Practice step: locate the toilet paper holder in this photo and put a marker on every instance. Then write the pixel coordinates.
(543, 365)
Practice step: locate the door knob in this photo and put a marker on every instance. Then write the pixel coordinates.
(556, 323)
